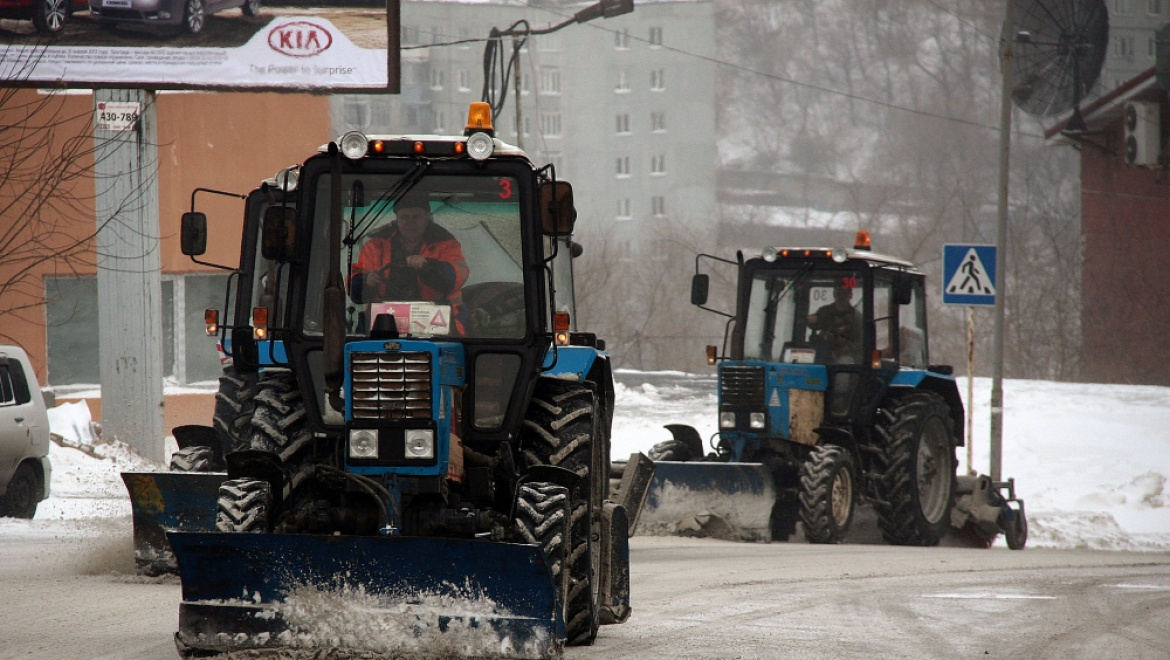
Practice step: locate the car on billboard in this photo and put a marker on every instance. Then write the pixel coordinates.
(188, 15)
(48, 16)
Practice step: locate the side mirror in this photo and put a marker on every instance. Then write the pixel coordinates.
(903, 292)
(280, 233)
(193, 234)
(557, 214)
(700, 284)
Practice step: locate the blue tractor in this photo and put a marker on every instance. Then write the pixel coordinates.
(440, 456)
(827, 398)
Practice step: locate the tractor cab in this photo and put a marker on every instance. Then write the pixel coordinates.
(850, 314)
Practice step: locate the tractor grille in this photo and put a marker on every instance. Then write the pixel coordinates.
(391, 385)
(742, 387)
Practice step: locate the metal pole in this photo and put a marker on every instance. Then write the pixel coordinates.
(516, 83)
(970, 390)
(1005, 141)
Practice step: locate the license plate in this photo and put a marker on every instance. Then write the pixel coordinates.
(117, 4)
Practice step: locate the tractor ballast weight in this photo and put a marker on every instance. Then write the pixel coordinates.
(826, 399)
(435, 456)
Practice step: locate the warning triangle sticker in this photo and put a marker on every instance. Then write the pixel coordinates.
(775, 400)
(971, 277)
(438, 320)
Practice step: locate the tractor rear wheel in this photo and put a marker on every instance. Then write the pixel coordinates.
(560, 429)
(826, 494)
(244, 506)
(543, 517)
(915, 490)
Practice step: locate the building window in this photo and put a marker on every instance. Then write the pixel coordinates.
(440, 120)
(556, 160)
(436, 79)
(623, 83)
(1154, 7)
(658, 165)
(550, 124)
(658, 206)
(549, 43)
(382, 116)
(623, 167)
(1152, 47)
(525, 83)
(658, 122)
(409, 35)
(550, 80)
(465, 37)
(357, 113)
(1123, 47)
(658, 80)
(1124, 7)
(621, 40)
(436, 35)
(623, 124)
(623, 209)
(655, 36)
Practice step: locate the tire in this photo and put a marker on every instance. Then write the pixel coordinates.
(827, 494)
(543, 517)
(193, 459)
(915, 489)
(23, 494)
(194, 16)
(244, 506)
(234, 405)
(785, 515)
(250, 7)
(280, 427)
(49, 16)
(1015, 530)
(560, 429)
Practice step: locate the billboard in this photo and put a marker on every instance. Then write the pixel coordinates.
(319, 45)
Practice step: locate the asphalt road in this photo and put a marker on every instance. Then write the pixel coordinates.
(66, 596)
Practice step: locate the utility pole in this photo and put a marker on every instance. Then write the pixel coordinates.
(1005, 143)
(130, 322)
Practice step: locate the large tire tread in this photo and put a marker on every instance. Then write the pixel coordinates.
(559, 430)
(818, 477)
(543, 518)
(193, 459)
(900, 424)
(244, 506)
(234, 405)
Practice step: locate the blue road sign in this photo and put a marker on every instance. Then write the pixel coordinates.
(969, 274)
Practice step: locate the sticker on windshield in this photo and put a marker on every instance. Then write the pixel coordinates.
(415, 318)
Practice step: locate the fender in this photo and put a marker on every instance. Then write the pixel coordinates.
(944, 386)
(569, 362)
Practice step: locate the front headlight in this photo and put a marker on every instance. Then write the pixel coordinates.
(363, 443)
(480, 146)
(420, 443)
(726, 420)
(756, 420)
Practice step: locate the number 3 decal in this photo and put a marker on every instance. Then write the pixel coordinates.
(505, 188)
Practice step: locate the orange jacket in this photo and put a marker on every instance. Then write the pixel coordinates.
(440, 281)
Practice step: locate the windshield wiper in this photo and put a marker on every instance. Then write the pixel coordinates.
(358, 230)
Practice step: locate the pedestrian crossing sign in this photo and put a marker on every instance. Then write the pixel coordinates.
(969, 274)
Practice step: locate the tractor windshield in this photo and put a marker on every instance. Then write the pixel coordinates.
(809, 315)
(434, 255)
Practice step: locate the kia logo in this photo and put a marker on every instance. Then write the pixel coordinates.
(300, 39)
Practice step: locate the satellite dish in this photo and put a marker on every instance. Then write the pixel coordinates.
(1059, 47)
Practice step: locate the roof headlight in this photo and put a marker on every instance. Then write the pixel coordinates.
(769, 254)
(354, 145)
(480, 146)
(839, 255)
(288, 178)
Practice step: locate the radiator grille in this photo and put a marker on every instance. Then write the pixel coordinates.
(391, 385)
(742, 387)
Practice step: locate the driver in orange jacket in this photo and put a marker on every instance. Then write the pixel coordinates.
(412, 259)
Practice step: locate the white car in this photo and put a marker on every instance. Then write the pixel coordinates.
(24, 436)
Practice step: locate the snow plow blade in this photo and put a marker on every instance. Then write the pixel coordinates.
(730, 501)
(168, 501)
(377, 594)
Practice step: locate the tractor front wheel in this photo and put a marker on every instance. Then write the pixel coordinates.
(915, 491)
(560, 429)
(543, 517)
(827, 494)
